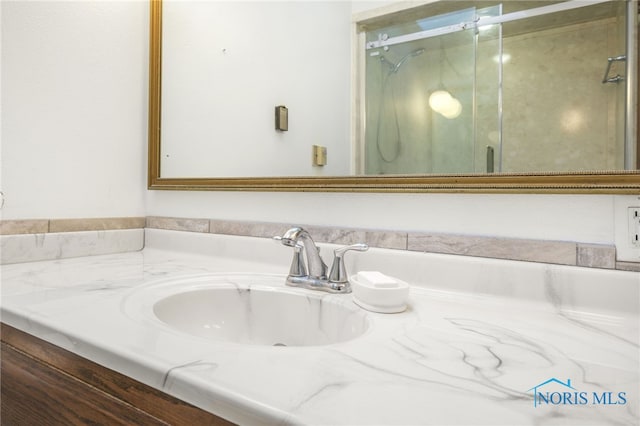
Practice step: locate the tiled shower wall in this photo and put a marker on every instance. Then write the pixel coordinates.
(557, 114)
(554, 252)
(571, 121)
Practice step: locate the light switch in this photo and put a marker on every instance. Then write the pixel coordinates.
(319, 155)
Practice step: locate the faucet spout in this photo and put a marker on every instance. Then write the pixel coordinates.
(317, 267)
(317, 278)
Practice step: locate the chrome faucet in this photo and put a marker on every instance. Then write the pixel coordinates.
(316, 278)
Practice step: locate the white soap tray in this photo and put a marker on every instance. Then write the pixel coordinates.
(376, 299)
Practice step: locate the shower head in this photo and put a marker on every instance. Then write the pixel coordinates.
(396, 67)
(411, 54)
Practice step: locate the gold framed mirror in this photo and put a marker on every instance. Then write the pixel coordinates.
(601, 181)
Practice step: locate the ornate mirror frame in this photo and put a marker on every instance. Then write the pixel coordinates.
(610, 182)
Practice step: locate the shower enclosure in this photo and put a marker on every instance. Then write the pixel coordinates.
(477, 87)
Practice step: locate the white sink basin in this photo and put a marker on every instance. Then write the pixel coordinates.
(249, 310)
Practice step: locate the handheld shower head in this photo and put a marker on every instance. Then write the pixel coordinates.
(395, 67)
(411, 54)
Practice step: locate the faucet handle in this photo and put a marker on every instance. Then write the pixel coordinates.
(297, 264)
(338, 272)
(297, 268)
(356, 247)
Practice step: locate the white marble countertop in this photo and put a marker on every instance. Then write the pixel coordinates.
(462, 354)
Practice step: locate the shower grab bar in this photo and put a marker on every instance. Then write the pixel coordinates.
(618, 78)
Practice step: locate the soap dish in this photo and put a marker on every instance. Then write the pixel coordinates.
(386, 300)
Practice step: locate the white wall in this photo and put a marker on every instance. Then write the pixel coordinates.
(584, 218)
(74, 108)
(226, 65)
(74, 78)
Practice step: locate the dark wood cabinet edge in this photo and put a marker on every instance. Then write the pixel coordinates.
(34, 393)
(155, 403)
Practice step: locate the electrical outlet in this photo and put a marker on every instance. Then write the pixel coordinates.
(627, 227)
(634, 225)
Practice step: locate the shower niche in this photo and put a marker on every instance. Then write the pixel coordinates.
(484, 87)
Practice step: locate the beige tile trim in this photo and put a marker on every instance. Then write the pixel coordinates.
(249, 229)
(382, 239)
(178, 224)
(72, 225)
(42, 226)
(27, 226)
(557, 252)
(553, 252)
(628, 266)
(597, 256)
(375, 238)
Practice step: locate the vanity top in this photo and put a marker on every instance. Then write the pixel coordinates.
(482, 341)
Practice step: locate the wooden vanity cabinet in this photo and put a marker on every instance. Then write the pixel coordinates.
(42, 384)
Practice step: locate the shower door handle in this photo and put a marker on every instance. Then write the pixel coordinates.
(617, 78)
(490, 159)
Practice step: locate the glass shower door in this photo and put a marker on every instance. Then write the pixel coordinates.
(516, 88)
(423, 95)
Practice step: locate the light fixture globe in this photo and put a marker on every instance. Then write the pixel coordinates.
(439, 100)
(452, 110)
(443, 103)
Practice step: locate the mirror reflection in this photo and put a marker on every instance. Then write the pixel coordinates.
(454, 95)
(227, 65)
(446, 88)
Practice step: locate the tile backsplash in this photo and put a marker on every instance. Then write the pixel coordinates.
(544, 251)
(40, 226)
(582, 254)
(20, 248)
(46, 239)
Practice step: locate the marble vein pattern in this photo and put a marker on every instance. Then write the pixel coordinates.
(254, 229)
(178, 224)
(46, 246)
(41, 226)
(543, 251)
(628, 266)
(558, 252)
(478, 337)
(95, 224)
(597, 256)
